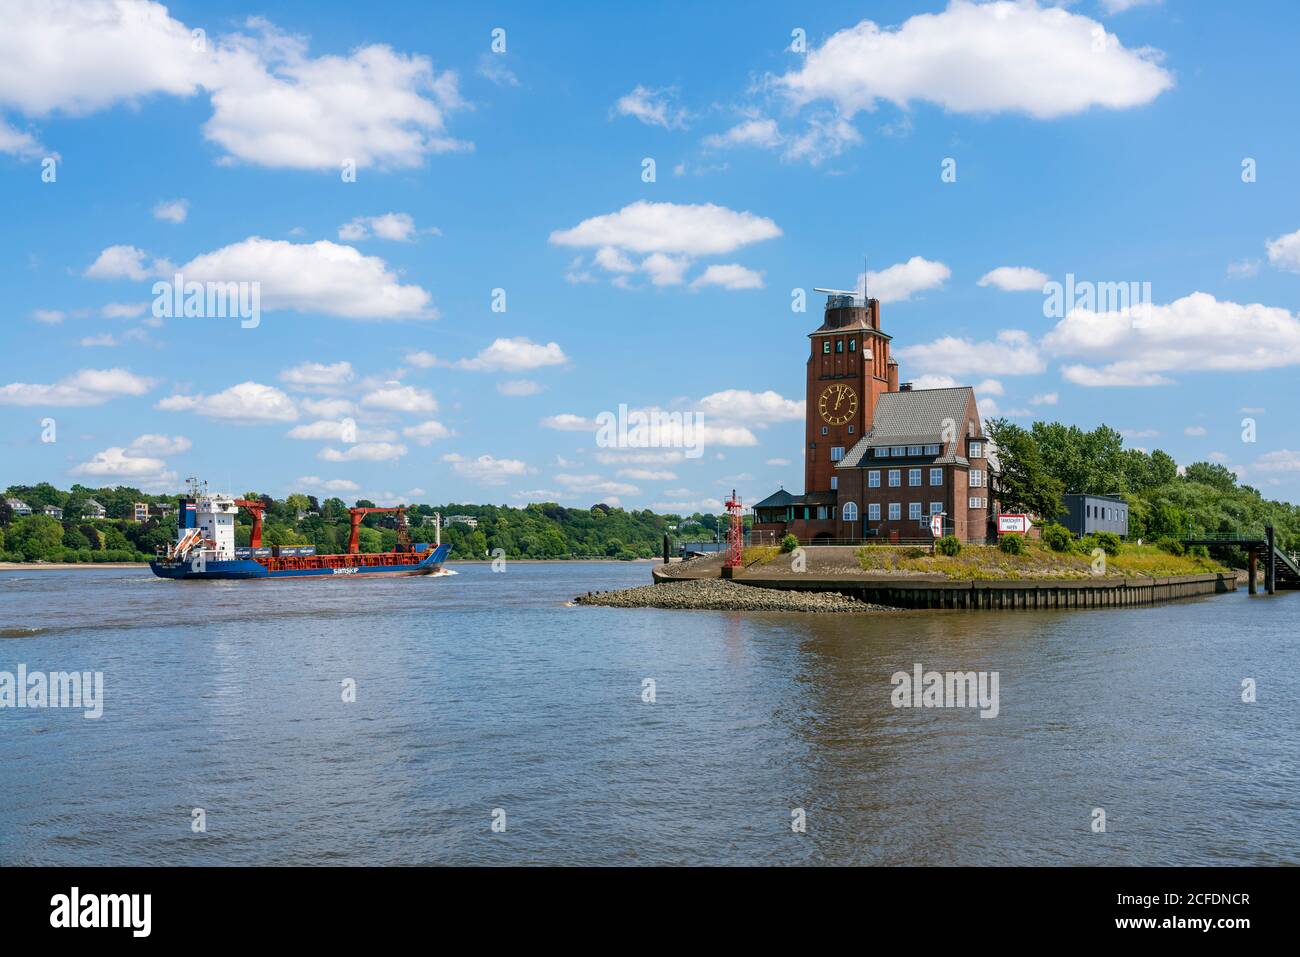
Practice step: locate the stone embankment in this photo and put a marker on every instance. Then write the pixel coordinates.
(719, 595)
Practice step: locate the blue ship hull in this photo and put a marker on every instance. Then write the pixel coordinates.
(247, 568)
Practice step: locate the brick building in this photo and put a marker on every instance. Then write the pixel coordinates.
(879, 456)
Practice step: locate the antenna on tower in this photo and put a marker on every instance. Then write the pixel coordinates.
(863, 282)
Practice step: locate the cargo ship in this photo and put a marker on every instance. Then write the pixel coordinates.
(205, 546)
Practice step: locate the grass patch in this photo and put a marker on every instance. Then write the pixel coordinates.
(988, 562)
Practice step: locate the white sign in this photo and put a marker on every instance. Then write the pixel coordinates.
(1014, 523)
(936, 524)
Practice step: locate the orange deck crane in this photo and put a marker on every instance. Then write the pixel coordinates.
(357, 514)
(257, 507)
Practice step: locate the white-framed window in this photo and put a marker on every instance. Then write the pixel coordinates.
(895, 478)
(850, 511)
(932, 450)
(936, 508)
(914, 450)
(895, 511)
(898, 450)
(826, 430)
(821, 512)
(976, 502)
(873, 478)
(976, 478)
(837, 452)
(914, 511)
(913, 476)
(873, 512)
(835, 482)
(936, 476)
(977, 450)
(882, 453)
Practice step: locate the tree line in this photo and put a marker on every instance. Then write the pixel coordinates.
(1039, 464)
(538, 531)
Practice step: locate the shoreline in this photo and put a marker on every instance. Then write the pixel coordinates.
(48, 566)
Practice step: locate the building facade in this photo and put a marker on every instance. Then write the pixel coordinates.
(881, 458)
(1085, 514)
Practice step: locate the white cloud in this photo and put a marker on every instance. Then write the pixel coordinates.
(1195, 430)
(319, 277)
(152, 444)
(981, 58)
(325, 430)
(519, 387)
(273, 105)
(127, 262)
(486, 468)
(1012, 353)
(826, 137)
(990, 387)
(101, 340)
(704, 505)
(514, 355)
(1014, 279)
(730, 276)
(568, 422)
(247, 403)
(760, 132)
(328, 485)
(1119, 6)
(1045, 398)
(668, 236)
(426, 432)
(692, 230)
(318, 376)
(123, 310)
(50, 317)
(400, 398)
(327, 408)
(642, 457)
(1283, 460)
(121, 463)
(755, 408)
(20, 144)
(398, 227)
(648, 475)
(652, 107)
(421, 360)
(86, 387)
(172, 211)
(1245, 269)
(900, 281)
(1196, 333)
(1284, 252)
(364, 452)
(778, 463)
(492, 67)
(595, 484)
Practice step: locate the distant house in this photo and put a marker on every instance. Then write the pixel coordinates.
(467, 520)
(143, 511)
(53, 511)
(92, 509)
(1085, 514)
(19, 507)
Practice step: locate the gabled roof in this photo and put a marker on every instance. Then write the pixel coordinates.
(915, 417)
(780, 499)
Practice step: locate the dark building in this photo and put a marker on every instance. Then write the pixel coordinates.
(880, 457)
(1085, 514)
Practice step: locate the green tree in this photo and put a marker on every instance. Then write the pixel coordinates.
(1023, 483)
(37, 537)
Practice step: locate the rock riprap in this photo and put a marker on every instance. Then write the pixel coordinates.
(716, 594)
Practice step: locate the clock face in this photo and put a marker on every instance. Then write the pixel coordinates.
(838, 404)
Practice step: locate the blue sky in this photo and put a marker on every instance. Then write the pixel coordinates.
(1092, 140)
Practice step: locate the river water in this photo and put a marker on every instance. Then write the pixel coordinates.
(481, 696)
